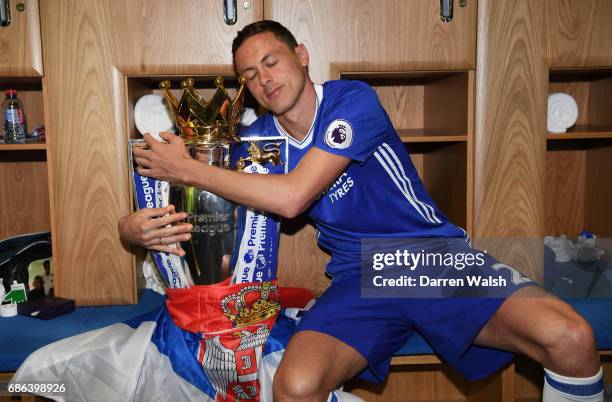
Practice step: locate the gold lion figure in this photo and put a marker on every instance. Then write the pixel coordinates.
(270, 153)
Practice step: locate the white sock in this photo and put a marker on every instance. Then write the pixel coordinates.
(558, 388)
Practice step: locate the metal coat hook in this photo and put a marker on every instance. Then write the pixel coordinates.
(230, 12)
(446, 10)
(5, 13)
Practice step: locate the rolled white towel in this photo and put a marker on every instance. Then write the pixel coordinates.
(152, 116)
(247, 117)
(562, 112)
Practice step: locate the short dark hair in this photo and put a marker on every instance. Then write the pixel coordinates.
(279, 30)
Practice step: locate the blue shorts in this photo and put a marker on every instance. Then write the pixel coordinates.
(377, 328)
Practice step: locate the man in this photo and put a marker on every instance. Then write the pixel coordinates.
(48, 278)
(340, 137)
(38, 290)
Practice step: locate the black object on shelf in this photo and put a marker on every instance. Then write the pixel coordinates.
(46, 307)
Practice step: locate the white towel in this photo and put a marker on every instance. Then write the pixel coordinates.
(247, 117)
(562, 112)
(152, 116)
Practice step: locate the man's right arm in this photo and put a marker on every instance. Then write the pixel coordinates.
(286, 195)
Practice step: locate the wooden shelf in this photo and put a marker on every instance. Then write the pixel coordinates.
(415, 359)
(577, 191)
(424, 135)
(28, 146)
(201, 81)
(582, 132)
(426, 106)
(400, 77)
(580, 74)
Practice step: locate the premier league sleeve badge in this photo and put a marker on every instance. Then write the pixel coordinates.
(339, 134)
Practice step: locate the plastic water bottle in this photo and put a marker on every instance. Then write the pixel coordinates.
(14, 121)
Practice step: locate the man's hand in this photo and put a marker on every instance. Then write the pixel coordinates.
(163, 160)
(147, 228)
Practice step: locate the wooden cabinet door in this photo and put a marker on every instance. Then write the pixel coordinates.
(91, 48)
(348, 35)
(20, 52)
(510, 144)
(578, 33)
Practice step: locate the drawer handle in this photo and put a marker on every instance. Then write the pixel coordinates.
(5, 13)
(230, 12)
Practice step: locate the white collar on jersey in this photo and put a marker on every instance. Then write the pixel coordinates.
(308, 139)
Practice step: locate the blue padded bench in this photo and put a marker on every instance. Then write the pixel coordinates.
(22, 335)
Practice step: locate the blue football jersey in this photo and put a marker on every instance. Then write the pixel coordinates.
(380, 194)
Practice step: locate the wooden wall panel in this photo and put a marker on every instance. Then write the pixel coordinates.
(445, 179)
(91, 47)
(413, 383)
(301, 262)
(578, 32)
(86, 154)
(404, 104)
(598, 177)
(32, 101)
(499, 387)
(20, 45)
(174, 37)
(378, 35)
(600, 112)
(446, 105)
(24, 193)
(598, 218)
(564, 195)
(510, 126)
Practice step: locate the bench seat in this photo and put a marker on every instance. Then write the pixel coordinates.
(22, 335)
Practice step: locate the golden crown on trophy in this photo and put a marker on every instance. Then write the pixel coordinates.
(202, 122)
(250, 305)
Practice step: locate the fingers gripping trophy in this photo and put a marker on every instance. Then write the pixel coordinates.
(209, 130)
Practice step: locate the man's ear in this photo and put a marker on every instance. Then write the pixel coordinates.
(302, 54)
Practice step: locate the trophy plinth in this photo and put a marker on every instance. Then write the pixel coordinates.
(209, 130)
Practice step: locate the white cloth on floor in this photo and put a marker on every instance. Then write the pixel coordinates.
(560, 246)
(583, 249)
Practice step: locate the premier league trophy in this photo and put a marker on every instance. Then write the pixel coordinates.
(209, 131)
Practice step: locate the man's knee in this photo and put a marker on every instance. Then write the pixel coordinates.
(296, 384)
(570, 345)
(573, 335)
